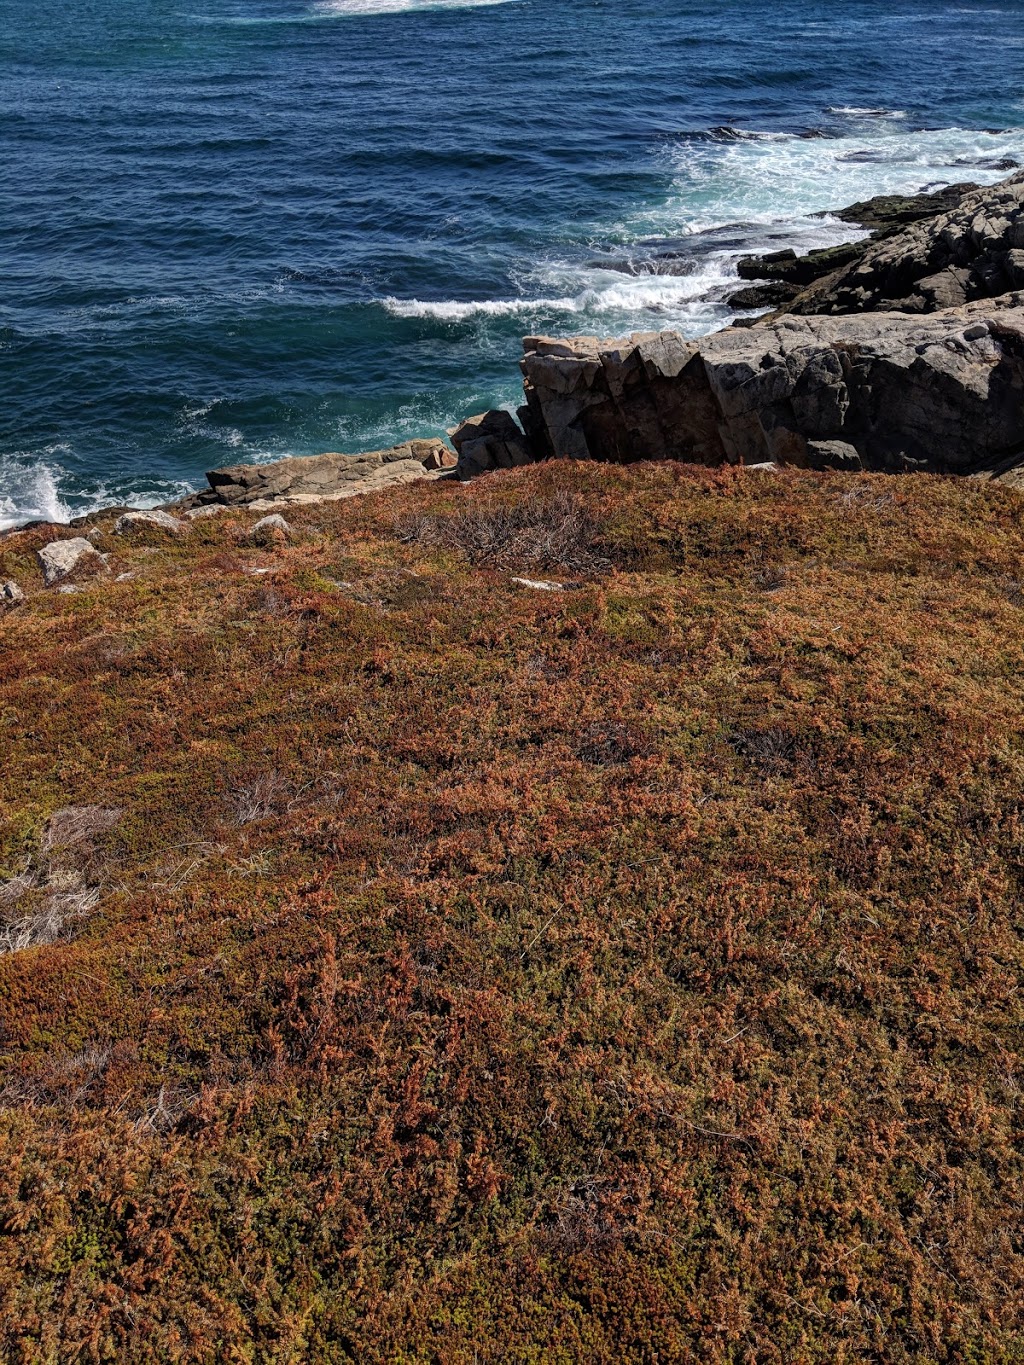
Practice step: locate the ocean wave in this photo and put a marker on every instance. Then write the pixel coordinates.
(30, 488)
(325, 9)
(854, 111)
(38, 486)
(789, 180)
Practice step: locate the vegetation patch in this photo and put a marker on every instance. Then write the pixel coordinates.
(405, 965)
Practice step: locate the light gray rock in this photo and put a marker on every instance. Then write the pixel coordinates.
(270, 529)
(11, 594)
(65, 558)
(132, 523)
(213, 509)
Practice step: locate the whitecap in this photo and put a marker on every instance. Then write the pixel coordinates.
(326, 9)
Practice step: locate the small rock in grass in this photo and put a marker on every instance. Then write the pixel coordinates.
(212, 509)
(540, 584)
(11, 594)
(154, 520)
(270, 529)
(61, 558)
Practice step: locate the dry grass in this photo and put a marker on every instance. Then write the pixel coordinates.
(556, 532)
(628, 973)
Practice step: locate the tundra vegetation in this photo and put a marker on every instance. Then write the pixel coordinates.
(399, 962)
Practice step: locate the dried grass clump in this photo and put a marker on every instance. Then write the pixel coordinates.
(34, 913)
(557, 532)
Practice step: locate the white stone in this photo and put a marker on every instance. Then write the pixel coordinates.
(131, 522)
(541, 585)
(62, 557)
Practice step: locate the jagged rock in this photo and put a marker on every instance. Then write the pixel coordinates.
(318, 478)
(943, 392)
(64, 558)
(966, 254)
(491, 440)
(270, 529)
(770, 295)
(10, 594)
(132, 523)
(788, 274)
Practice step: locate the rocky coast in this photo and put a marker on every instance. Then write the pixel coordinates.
(898, 352)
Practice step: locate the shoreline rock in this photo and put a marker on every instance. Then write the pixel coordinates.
(943, 393)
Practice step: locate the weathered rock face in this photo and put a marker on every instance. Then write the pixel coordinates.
(885, 391)
(974, 251)
(788, 274)
(319, 478)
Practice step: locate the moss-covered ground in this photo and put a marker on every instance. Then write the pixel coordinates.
(477, 973)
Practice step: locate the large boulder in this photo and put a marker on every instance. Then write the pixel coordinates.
(67, 559)
(136, 523)
(943, 392)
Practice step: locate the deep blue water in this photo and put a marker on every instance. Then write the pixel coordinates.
(240, 229)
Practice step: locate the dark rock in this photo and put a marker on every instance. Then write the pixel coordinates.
(963, 255)
(491, 440)
(764, 295)
(941, 392)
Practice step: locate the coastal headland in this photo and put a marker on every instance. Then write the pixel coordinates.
(552, 891)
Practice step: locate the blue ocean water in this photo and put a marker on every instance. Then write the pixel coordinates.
(240, 229)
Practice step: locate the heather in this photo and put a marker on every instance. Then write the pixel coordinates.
(403, 963)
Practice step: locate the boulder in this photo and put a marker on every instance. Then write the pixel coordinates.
(491, 440)
(134, 523)
(10, 594)
(942, 392)
(76, 557)
(270, 529)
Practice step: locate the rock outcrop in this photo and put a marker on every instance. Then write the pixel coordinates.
(943, 392)
(319, 478)
(781, 276)
(974, 251)
(491, 440)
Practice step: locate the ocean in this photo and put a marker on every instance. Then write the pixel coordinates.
(234, 230)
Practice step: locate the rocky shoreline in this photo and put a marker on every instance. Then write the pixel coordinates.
(902, 351)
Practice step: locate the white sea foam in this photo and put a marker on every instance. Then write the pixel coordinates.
(325, 9)
(29, 488)
(852, 111)
(744, 194)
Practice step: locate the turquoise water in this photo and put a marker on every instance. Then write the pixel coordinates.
(240, 229)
